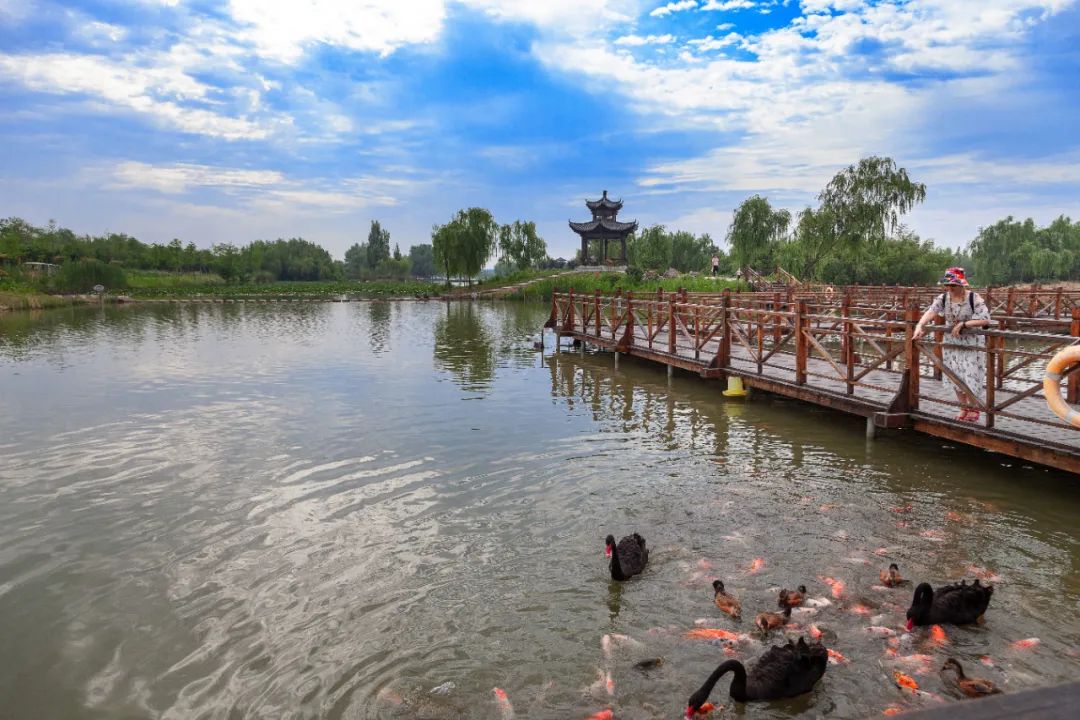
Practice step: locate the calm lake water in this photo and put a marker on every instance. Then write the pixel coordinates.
(328, 510)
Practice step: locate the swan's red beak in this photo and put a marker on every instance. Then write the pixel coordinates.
(689, 712)
(910, 625)
(607, 551)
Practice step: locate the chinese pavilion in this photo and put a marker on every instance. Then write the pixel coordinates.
(603, 228)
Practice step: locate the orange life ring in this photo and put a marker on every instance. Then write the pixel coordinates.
(1052, 384)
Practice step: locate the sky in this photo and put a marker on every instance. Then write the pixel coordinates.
(227, 121)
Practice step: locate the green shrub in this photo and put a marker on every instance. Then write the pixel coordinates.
(81, 276)
(635, 273)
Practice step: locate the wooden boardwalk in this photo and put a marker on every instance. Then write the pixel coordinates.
(862, 360)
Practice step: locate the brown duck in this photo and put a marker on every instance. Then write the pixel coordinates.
(767, 621)
(725, 602)
(792, 598)
(972, 687)
(891, 577)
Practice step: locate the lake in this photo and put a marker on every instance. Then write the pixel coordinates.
(328, 510)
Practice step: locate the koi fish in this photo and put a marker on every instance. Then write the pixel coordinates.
(956, 517)
(815, 631)
(817, 602)
(837, 586)
(611, 641)
(934, 535)
(860, 609)
(902, 509)
(938, 636)
(389, 695)
(905, 681)
(986, 660)
(1026, 643)
(756, 565)
(881, 551)
(826, 507)
(881, 631)
(804, 611)
(704, 564)
(705, 709)
(836, 658)
(602, 715)
(609, 683)
(893, 709)
(983, 573)
(901, 524)
(505, 708)
(712, 634)
(857, 560)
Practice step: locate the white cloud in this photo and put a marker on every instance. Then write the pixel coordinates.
(728, 5)
(284, 30)
(673, 7)
(637, 40)
(725, 26)
(574, 17)
(268, 189)
(706, 44)
(163, 92)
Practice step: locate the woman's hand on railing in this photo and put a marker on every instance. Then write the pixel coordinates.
(957, 329)
(919, 332)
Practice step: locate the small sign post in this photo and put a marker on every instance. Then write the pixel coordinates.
(100, 290)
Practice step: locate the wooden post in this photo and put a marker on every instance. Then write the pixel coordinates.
(1057, 304)
(614, 309)
(570, 312)
(845, 337)
(1072, 392)
(1033, 302)
(671, 326)
(760, 315)
(1002, 359)
(991, 346)
(725, 343)
(776, 319)
(649, 323)
(697, 333)
(939, 337)
(630, 321)
(849, 357)
(596, 311)
(911, 357)
(1009, 302)
(800, 343)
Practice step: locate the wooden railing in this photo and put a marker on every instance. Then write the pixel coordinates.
(849, 345)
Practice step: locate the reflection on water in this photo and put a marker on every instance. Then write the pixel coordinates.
(301, 511)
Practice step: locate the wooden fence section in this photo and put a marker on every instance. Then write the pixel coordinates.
(851, 353)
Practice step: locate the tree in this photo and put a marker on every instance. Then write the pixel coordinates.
(867, 200)
(378, 245)
(422, 259)
(356, 261)
(690, 252)
(397, 252)
(651, 250)
(464, 244)
(755, 231)
(521, 246)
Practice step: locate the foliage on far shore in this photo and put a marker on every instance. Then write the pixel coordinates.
(608, 282)
(296, 288)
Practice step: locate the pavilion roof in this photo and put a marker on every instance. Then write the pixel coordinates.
(605, 202)
(612, 226)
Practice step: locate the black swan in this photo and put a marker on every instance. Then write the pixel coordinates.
(891, 577)
(628, 558)
(727, 603)
(767, 621)
(792, 598)
(782, 672)
(956, 604)
(972, 687)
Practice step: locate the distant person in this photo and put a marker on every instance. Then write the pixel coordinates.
(715, 265)
(962, 352)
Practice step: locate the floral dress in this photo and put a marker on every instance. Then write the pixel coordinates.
(969, 365)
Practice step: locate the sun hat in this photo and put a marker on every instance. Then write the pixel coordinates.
(954, 276)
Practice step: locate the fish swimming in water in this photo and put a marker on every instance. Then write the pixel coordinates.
(905, 681)
(1026, 643)
(506, 710)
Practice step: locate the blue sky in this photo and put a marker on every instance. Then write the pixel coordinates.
(217, 121)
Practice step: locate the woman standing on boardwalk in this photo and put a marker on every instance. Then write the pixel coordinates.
(962, 353)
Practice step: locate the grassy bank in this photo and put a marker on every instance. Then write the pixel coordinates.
(607, 283)
(294, 289)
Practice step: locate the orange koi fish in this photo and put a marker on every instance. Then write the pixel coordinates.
(505, 708)
(837, 586)
(986, 660)
(712, 634)
(602, 715)
(935, 535)
(705, 709)
(836, 658)
(815, 631)
(756, 565)
(860, 609)
(893, 709)
(937, 635)
(905, 681)
(1026, 643)
(983, 573)
(902, 509)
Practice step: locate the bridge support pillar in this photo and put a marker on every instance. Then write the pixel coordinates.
(616, 359)
(670, 372)
(871, 428)
(558, 343)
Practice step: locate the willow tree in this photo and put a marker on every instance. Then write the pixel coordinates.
(520, 244)
(465, 243)
(755, 230)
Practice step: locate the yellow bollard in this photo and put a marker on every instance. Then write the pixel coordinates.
(735, 387)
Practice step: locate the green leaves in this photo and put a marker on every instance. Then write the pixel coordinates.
(755, 232)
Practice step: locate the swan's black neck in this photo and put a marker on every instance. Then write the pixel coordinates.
(616, 568)
(738, 684)
(922, 602)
